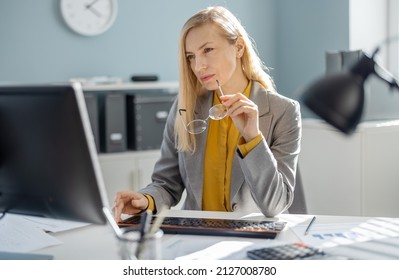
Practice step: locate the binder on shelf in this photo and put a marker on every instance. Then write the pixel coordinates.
(92, 110)
(349, 58)
(338, 61)
(113, 122)
(147, 112)
(333, 62)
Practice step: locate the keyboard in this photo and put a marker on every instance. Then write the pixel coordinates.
(217, 227)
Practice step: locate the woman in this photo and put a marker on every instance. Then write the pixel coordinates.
(243, 162)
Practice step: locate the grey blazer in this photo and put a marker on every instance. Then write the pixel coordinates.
(261, 181)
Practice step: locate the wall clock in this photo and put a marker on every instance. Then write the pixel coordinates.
(89, 17)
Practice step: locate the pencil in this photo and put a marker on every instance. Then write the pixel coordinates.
(310, 224)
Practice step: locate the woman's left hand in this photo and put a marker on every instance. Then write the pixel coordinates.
(244, 114)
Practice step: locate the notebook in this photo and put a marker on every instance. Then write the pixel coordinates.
(217, 227)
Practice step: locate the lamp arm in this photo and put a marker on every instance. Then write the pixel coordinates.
(380, 71)
(386, 76)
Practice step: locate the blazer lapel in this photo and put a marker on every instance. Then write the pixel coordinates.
(259, 96)
(195, 162)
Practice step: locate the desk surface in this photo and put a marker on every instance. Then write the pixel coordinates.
(96, 242)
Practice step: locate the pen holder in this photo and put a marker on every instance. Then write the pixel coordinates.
(134, 247)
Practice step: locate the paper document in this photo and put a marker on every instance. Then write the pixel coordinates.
(330, 235)
(220, 250)
(22, 234)
(16, 235)
(183, 247)
(53, 225)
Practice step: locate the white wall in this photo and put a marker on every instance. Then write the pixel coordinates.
(368, 24)
(369, 28)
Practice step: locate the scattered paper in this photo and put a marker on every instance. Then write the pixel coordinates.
(330, 235)
(53, 225)
(16, 235)
(22, 234)
(220, 250)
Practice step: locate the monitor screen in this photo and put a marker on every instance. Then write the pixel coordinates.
(48, 160)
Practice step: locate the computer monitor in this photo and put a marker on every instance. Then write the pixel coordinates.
(48, 159)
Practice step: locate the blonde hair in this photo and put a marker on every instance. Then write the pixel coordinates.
(189, 86)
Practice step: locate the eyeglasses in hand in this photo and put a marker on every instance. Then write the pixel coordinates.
(216, 112)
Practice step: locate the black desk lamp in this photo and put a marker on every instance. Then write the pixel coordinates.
(339, 98)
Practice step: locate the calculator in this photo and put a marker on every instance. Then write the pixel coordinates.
(292, 251)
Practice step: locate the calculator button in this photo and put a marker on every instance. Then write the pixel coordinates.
(292, 251)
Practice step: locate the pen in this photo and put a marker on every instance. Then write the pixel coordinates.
(310, 224)
(145, 220)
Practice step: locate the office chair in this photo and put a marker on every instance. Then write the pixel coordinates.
(298, 206)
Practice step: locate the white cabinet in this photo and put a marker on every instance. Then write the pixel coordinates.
(351, 175)
(127, 171)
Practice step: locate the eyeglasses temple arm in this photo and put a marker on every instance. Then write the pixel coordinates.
(180, 110)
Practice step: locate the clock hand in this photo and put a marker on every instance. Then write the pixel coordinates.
(94, 11)
(88, 6)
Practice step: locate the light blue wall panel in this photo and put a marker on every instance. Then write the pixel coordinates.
(306, 29)
(36, 45)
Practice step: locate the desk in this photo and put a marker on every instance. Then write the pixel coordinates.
(97, 242)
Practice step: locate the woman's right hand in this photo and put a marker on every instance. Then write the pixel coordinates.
(129, 202)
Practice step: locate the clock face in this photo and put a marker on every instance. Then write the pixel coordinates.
(89, 17)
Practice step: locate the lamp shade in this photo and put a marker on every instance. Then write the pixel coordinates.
(338, 99)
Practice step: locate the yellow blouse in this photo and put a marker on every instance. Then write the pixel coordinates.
(223, 138)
